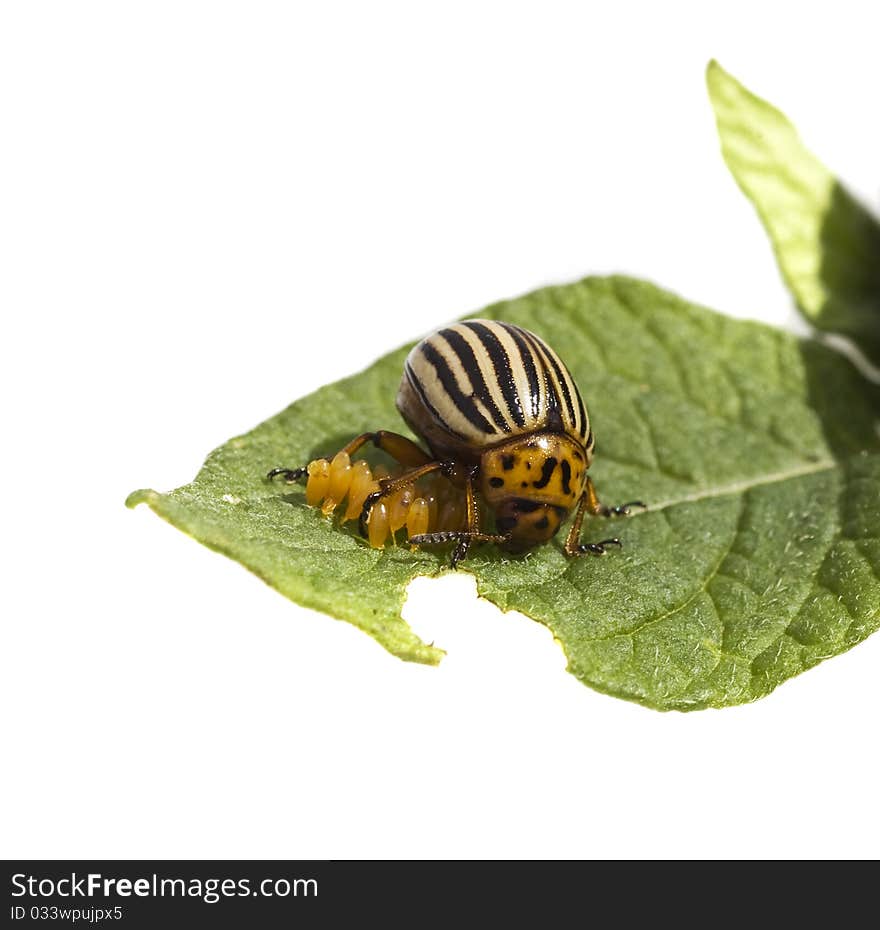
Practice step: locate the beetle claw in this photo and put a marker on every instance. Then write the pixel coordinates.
(459, 553)
(290, 474)
(599, 548)
(622, 510)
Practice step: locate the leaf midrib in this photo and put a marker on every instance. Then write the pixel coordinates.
(739, 487)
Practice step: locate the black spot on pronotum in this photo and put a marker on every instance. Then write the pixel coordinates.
(507, 462)
(525, 484)
(496, 482)
(543, 523)
(566, 476)
(546, 472)
(505, 524)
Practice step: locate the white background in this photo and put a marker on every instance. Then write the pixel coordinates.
(211, 209)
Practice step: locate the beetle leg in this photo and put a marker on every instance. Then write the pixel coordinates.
(472, 520)
(599, 509)
(390, 485)
(472, 516)
(463, 538)
(589, 501)
(572, 546)
(400, 448)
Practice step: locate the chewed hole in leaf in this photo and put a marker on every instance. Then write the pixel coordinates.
(471, 636)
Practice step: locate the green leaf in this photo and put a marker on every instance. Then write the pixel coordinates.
(826, 243)
(757, 453)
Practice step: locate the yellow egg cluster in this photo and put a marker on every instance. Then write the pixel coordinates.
(421, 508)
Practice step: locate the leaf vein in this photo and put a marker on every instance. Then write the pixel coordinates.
(739, 487)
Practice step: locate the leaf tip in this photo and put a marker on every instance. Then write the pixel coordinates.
(142, 496)
(427, 654)
(720, 82)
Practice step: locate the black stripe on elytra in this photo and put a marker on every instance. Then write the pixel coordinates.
(503, 372)
(552, 414)
(464, 404)
(465, 354)
(563, 383)
(566, 476)
(581, 409)
(527, 357)
(546, 472)
(423, 397)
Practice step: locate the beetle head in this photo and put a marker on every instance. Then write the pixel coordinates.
(527, 523)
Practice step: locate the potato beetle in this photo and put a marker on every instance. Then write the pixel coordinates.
(508, 436)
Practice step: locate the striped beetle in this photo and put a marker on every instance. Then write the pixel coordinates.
(505, 424)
